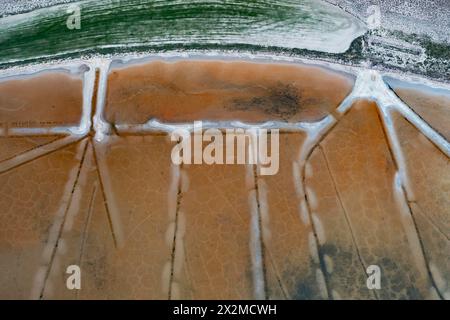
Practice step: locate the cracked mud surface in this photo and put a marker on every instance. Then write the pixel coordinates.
(368, 187)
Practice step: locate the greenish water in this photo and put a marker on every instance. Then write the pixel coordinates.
(121, 26)
(311, 29)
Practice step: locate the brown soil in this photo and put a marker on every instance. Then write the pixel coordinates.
(213, 90)
(45, 100)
